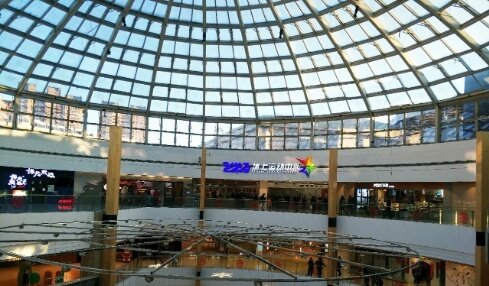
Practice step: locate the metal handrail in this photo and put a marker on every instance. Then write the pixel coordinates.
(90, 202)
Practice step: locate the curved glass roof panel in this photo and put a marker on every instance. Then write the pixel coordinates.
(248, 59)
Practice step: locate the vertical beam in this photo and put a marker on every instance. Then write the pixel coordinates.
(332, 184)
(111, 205)
(438, 121)
(113, 172)
(332, 206)
(203, 160)
(481, 206)
(93, 258)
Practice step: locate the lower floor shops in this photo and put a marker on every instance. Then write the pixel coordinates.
(432, 272)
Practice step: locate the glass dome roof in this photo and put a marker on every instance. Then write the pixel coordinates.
(247, 59)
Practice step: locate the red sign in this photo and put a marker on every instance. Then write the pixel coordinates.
(240, 263)
(66, 204)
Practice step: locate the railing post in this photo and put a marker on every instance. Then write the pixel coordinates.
(332, 209)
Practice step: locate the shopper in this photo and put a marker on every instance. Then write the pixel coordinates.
(342, 205)
(338, 266)
(263, 201)
(319, 267)
(313, 204)
(388, 208)
(351, 205)
(310, 267)
(366, 278)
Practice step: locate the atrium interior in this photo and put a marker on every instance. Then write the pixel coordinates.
(244, 142)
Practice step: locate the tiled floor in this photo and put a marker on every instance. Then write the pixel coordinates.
(297, 266)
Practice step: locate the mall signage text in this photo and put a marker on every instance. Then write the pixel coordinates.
(305, 166)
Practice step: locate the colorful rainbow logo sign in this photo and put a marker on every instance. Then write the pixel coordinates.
(307, 165)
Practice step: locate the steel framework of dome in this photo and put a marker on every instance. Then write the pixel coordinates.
(246, 61)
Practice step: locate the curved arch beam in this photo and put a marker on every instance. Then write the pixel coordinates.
(103, 59)
(293, 57)
(340, 52)
(156, 64)
(248, 62)
(397, 47)
(454, 27)
(49, 41)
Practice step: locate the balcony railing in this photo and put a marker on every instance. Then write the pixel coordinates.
(440, 215)
(64, 203)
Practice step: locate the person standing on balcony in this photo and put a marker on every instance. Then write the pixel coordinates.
(338, 266)
(313, 204)
(319, 267)
(342, 205)
(388, 208)
(123, 194)
(263, 201)
(310, 267)
(351, 205)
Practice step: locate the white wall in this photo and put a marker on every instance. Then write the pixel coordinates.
(30, 248)
(393, 164)
(297, 220)
(448, 242)
(159, 213)
(419, 163)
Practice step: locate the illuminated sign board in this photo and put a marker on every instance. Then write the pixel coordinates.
(16, 181)
(66, 204)
(40, 173)
(382, 185)
(305, 166)
(20, 181)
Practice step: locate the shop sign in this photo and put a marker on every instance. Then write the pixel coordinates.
(222, 274)
(40, 173)
(16, 181)
(383, 185)
(66, 204)
(19, 181)
(305, 166)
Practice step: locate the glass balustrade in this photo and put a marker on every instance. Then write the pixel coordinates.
(63, 203)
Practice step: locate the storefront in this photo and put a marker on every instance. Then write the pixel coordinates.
(429, 271)
(400, 195)
(152, 192)
(29, 189)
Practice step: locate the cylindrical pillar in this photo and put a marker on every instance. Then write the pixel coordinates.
(111, 205)
(200, 259)
(93, 258)
(203, 159)
(481, 206)
(332, 208)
